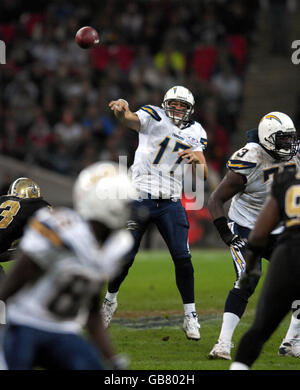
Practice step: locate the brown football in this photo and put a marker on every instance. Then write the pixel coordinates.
(87, 37)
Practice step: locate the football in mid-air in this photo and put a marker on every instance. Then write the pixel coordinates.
(87, 37)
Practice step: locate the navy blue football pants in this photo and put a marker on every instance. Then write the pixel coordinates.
(25, 348)
(171, 220)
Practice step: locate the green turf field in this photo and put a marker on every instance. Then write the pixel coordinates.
(147, 324)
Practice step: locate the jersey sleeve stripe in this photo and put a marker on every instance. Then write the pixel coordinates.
(239, 164)
(46, 232)
(151, 112)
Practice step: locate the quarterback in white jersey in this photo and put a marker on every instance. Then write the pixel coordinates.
(54, 289)
(168, 139)
(270, 149)
(160, 141)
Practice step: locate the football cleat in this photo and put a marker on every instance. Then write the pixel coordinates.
(290, 348)
(221, 350)
(191, 326)
(108, 309)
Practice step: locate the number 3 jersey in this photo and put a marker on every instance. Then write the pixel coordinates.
(157, 168)
(74, 268)
(14, 214)
(258, 168)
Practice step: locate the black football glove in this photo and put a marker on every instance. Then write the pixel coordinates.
(226, 234)
(237, 242)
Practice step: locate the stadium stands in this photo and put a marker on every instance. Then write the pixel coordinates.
(53, 105)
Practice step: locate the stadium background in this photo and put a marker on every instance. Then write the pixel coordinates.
(235, 56)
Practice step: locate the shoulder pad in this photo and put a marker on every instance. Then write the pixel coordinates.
(151, 111)
(244, 159)
(201, 133)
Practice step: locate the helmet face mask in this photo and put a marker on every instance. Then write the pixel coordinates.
(24, 187)
(179, 114)
(286, 144)
(277, 135)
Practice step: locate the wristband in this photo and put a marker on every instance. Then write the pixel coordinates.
(223, 229)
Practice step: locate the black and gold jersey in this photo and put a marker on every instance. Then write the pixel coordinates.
(286, 190)
(14, 214)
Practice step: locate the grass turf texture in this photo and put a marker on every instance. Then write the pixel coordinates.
(147, 324)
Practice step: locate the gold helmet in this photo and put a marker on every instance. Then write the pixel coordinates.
(24, 188)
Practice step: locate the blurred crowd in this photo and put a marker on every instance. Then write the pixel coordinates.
(54, 95)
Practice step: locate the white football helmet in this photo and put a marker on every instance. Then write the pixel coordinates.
(277, 134)
(102, 193)
(183, 95)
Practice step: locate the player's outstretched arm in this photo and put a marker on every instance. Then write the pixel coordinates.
(122, 112)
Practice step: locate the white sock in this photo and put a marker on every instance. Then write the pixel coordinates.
(230, 322)
(112, 297)
(189, 308)
(294, 329)
(238, 366)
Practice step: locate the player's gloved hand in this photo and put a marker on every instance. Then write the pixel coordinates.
(119, 362)
(226, 234)
(238, 242)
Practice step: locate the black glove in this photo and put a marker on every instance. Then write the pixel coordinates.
(238, 242)
(226, 234)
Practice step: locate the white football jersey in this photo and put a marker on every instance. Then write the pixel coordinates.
(75, 267)
(157, 168)
(259, 168)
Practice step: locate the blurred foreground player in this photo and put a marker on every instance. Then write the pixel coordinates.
(281, 289)
(168, 139)
(54, 288)
(22, 200)
(270, 149)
